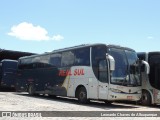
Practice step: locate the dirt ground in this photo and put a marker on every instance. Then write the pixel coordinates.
(19, 103)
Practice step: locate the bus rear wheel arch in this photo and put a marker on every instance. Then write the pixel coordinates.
(81, 94)
(146, 98)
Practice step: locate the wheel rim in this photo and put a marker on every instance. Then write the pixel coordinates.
(144, 97)
(82, 95)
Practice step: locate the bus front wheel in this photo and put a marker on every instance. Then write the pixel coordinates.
(82, 95)
(146, 98)
(108, 102)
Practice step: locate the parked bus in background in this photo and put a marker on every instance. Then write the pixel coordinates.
(8, 69)
(151, 82)
(98, 71)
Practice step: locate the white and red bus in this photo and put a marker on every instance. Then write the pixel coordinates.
(98, 71)
(151, 82)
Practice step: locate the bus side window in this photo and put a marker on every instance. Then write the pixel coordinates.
(44, 61)
(55, 60)
(35, 62)
(103, 71)
(67, 58)
(82, 57)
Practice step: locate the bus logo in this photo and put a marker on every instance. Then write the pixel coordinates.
(76, 72)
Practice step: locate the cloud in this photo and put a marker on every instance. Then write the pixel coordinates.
(150, 37)
(27, 31)
(58, 37)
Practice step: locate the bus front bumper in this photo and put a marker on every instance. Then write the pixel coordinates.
(124, 96)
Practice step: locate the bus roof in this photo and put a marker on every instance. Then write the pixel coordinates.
(152, 52)
(76, 47)
(8, 60)
(13, 55)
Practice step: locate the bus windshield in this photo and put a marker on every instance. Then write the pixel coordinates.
(126, 70)
(134, 67)
(154, 76)
(0, 71)
(0, 67)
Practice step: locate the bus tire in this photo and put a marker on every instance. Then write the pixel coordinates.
(82, 95)
(146, 98)
(108, 102)
(52, 96)
(31, 90)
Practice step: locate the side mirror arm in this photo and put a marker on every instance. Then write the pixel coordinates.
(111, 62)
(147, 67)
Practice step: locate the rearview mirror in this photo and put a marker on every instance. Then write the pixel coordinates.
(145, 67)
(111, 62)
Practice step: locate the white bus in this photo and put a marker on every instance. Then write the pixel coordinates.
(151, 82)
(98, 71)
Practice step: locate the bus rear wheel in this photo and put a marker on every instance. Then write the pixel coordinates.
(31, 90)
(146, 98)
(82, 95)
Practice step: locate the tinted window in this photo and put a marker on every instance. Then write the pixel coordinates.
(19, 64)
(10, 64)
(141, 56)
(26, 63)
(0, 66)
(82, 56)
(44, 61)
(55, 60)
(134, 68)
(67, 58)
(0, 71)
(36, 62)
(98, 53)
(103, 71)
(120, 62)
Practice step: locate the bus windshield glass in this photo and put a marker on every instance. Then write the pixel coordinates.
(126, 70)
(134, 67)
(0, 67)
(0, 71)
(154, 76)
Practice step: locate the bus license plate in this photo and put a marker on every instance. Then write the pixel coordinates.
(129, 97)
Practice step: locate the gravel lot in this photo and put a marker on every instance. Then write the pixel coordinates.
(12, 101)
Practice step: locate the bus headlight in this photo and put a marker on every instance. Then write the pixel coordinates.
(115, 90)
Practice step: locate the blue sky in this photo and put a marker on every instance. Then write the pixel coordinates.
(44, 25)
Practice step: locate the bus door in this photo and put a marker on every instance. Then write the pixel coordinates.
(103, 80)
(157, 81)
(154, 76)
